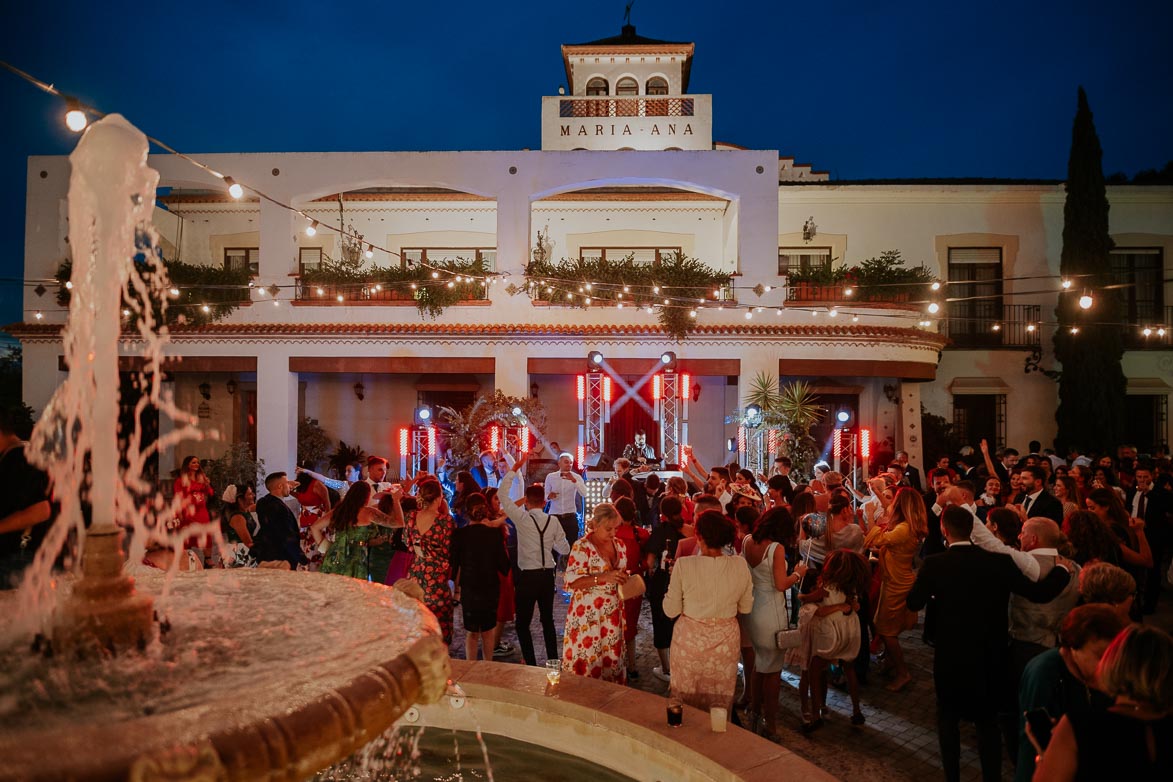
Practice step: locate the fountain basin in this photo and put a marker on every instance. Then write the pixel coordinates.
(263, 674)
(620, 728)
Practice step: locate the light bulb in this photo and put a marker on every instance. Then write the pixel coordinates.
(834, 313)
(665, 302)
(39, 315)
(234, 190)
(619, 305)
(1147, 331)
(570, 297)
(855, 319)
(175, 291)
(379, 288)
(1160, 332)
(75, 119)
(626, 289)
(321, 292)
(1085, 301)
(339, 298)
(769, 288)
(206, 308)
(648, 310)
(1030, 327)
(692, 313)
(934, 308)
(619, 296)
(587, 300)
(126, 313)
(936, 286)
(848, 291)
(413, 286)
(1075, 329)
(748, 315)
(69, 285)
(312, 228)
(655, 289)
(435, 275)
(370, 253)
(451, 284)
(588, 286)
(1066, 284)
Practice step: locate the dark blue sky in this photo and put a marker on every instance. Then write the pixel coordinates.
(864, 90)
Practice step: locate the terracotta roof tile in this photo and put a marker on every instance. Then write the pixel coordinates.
(509, 330)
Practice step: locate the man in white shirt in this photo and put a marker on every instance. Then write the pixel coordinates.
(537, 533)
(1034, 627)
(563, 488)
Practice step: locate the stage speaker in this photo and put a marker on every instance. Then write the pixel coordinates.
(600, 461)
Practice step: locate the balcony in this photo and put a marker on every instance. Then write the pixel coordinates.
(1019, 329)
(806, 294)
(644, 122)
(1135, 338)
(374, 294)
(626, 107)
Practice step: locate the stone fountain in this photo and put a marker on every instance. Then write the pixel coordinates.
(262, 673)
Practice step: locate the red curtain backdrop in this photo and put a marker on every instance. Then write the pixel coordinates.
(631, 416)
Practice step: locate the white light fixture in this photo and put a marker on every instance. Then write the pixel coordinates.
(206, 308)
(370, 253)
(936, 286)
(312, 228)
(1086, 301)
(1147, 331)
(934, 308)
(75, 117)
(1066, 284)
(175, 291)
(234, 190)
(848, 291)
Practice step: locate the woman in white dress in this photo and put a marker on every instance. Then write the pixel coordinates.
(765, 553)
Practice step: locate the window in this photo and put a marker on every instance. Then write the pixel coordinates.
(640, 256)
(1140, 270)
(597, 86)
(627, 86)
(414, 255)
(792, 260)
(975, 291)
(1146, 419)
(236, 258)
(309, 259)
(980, 416)
(657, 85)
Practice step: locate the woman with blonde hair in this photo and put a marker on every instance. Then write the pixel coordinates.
(1132, 738)
(592, 644)
(1068, 493)
(897, 539)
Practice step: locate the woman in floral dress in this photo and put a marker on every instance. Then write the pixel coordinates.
(593, 641)
(429, 536)
(314, 499)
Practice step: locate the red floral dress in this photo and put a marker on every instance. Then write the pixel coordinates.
(311, 511)
(432, 567)
(593, 642)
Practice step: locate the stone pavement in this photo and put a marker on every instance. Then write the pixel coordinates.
(899, 741)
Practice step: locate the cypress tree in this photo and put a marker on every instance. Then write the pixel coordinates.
(1092, 385)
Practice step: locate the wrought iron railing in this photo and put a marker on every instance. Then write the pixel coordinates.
(626, 107)
(1020, 327)
(371, 292)
(1159, 334)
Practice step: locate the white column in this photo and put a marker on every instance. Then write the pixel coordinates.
(511, 372)
(278, 244)
(513, 230)
(276, 412)
(911, 436)
(37, 386)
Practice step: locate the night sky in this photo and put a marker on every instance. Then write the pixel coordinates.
(863, 90)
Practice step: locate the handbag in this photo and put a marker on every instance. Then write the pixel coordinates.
(633, 587)
(791, 637)
(402, 560)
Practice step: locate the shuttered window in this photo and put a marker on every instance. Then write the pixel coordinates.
(640, 256)
(236, 258)
(975, 293)
(795, 260)
(309, 258)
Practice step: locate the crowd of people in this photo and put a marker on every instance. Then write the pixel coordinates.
(1030, 576)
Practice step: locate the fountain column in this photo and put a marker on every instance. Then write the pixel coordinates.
(111, 194)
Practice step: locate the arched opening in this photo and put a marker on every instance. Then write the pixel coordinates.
(597, 86)
(627, 86)
(657, 85)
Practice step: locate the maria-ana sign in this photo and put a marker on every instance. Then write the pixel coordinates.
(612, 133)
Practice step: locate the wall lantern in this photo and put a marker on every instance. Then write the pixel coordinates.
(206, 390)
(232, 386)
(360, 390)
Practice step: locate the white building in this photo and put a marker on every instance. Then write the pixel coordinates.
(628, 166)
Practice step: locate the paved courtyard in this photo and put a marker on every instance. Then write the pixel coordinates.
(899, 741)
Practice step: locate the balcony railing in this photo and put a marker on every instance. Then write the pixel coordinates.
(1136, 339)
(370, 293)
(626, 107)
(804, 293)
(1019, 328)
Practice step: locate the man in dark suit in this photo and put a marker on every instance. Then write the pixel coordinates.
(1037, 501)
(972, 590)
(277, 539)
(1154, 506)
(910, 476)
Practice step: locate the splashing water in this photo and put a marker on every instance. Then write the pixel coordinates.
(116, 265)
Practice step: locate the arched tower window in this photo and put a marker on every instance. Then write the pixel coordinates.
(627, 86)
(657, 85)
(597, 86)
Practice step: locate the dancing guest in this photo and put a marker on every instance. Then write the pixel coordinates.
(193, 490)
(538, 534)
(506, 603)
(1108, 585)
(463, 487)
(705, 594)
(659, 554)
(355, 526)
(835, 632)
(1091, 539)
(429, 536)
(677, 487)
(1133, 738)
(562, 489)
(897, 539)
(632, 538)
(314, 499)
(593, 642)
(1006, 524)
(765, 554)
(1066, 492)
(479, 560)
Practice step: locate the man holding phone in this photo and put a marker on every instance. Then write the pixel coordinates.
(563, 488)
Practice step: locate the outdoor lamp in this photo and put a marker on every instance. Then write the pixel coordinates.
(595, 358)
(232, 386)
(360, 390)
(206, 390)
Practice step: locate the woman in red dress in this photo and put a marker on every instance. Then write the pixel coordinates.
(193, 490)
(314, 499)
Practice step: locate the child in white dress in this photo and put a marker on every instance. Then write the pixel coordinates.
(829, 622)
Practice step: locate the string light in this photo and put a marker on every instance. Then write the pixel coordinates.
(173, 291)
(748, 314)
(934, 308)
(206, 308)
(1066, 284)
(1147, 331)
(935, 286)
(312, 228)
(75, 117)
(340, 298)
(1075, 329)
(692, 313)
(234, 190)
(39, 315)
(834, 313)
(370, 253)
(1086, 301)
(69, 285)
(848, 291)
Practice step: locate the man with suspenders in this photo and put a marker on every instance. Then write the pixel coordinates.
(537, 533)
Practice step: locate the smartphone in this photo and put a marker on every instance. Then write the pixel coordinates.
(1040, 725)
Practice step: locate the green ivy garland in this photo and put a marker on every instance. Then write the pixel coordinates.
(681, 278)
